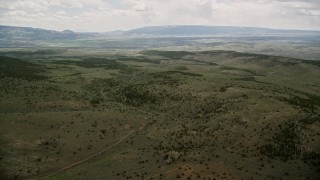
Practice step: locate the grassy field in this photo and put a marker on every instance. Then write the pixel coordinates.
(82, 114)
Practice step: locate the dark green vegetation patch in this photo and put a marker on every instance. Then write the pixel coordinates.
(169, 54)
(94, 63)
(16, 68)
(290, 143)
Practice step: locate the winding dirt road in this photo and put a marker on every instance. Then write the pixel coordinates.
(92, 156)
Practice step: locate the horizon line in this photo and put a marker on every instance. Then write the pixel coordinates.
(203, 25)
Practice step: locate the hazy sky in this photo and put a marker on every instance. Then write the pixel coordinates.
(107, 15)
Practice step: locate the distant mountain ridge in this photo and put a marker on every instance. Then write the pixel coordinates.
(196, 30)
(11, 32)
(28, 33)
(26, 36)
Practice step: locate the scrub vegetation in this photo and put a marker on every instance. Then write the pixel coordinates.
(152, 114)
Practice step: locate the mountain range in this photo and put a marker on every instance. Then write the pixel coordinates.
(151, 36)
(28, 33)
(193, 30)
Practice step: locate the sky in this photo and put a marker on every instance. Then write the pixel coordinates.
(110, 15)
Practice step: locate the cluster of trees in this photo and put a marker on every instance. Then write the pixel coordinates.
(95, 63)
(289, 143)
(16, 68)
(169, 54)
(137, 95)
(310, 104)
(137, 90)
